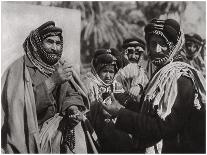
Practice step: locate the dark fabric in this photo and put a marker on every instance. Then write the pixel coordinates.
(131, 42)
(169, 27)
(195, 38)
(183, 130)
(111, 139)
(48, 29)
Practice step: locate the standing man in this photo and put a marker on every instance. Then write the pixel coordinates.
(134, 76)
(195, 51)
(42, 98)
(172, 117)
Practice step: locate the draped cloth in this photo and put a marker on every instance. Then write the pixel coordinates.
(19, 127)
(132, 75)
(162, 89)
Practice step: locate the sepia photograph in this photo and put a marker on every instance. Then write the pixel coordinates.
(103, 77)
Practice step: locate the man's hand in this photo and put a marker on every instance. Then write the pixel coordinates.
(74, 113)
(63, 72)
(114, 107)
(74, 116)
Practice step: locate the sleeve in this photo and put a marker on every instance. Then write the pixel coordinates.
(154, 128)
(72, 97)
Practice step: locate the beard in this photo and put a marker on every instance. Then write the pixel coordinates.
(50, 57)
(159, 59)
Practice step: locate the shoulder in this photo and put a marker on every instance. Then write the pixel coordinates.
(15, 66)
(88, 80)
(185, 81)
(185, 85)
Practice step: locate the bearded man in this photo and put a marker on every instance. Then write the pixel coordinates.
(133, 49)
(43, 100)
(133, 76)
(172, 117)
(194, 51)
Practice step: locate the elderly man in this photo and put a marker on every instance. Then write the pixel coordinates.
(194, 51)
(172, 117)
(43, 100)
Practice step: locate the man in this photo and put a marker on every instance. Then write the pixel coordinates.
(194, 48)
(43, 100)
(133, 49)
(172, 117)
(133, 74)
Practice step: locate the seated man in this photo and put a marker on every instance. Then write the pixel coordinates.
(43, 100)
(194, 47)
(100, 83)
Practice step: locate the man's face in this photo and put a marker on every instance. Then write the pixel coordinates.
(158, 50)
(52, 50)
(107, 75)
(134, 53)
(52, 44)
(192, 49)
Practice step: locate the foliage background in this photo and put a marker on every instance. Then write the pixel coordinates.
(107, 23)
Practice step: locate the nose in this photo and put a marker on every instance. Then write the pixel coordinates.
(54, 47)
(192, 48)
(133, 55)
(158, 48)
(107, 75)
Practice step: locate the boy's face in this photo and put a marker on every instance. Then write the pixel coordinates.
(107, 75)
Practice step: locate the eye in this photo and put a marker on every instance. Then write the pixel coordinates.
(50, 41)
(111, 71)
(136, 53)
(130, 51)
(153, 44)
(58, 43)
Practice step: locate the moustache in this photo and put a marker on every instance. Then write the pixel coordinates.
(51, 51)
(156, 56)
(133, 60)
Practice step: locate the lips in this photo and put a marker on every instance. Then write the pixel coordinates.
(107, 81)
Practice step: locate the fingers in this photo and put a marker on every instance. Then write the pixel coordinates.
(73, 109)
(104, 105)
(62, 61)
(67, 65)
(69, 69)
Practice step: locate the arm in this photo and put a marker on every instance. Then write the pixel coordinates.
(72, 98)
(154, 128)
